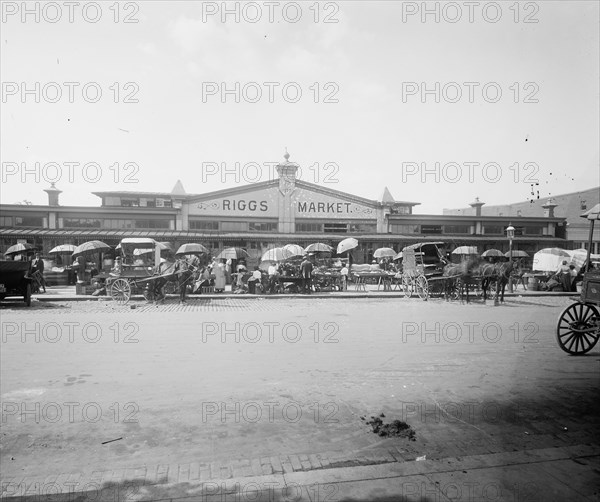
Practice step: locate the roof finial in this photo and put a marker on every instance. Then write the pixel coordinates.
(286, 156)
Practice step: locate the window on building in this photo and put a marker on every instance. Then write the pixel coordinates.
(207, 226)
(167, 203)
(151, 223)
(309, 227)
(583, 205)
(335, 228)
(234, 226)
(400, 210)
(150, 203)
(29, 221)
(262, 227)
(457, 229)
(81, 223)
(6, 221)
(365, 228)
(130, 202)
(431, 229)
(404, 229)
(493, 230)
(533, 230)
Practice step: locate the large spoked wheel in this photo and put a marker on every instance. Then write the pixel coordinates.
(578, 328)
(422, 287)
(120, 291)
(171, 288)
(407, 286)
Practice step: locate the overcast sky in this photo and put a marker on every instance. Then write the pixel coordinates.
(367, 61)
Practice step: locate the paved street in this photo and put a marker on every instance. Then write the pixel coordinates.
(233, 387)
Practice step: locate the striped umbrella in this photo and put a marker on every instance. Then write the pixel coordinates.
(192, 248)
(517, 253)
(233, 254)
(384, 253)
(21, 248)
(90, 247)
(63, 249)
(492, 252)
(318, 247)
(273, 254)
(290, 250)
(549, 259)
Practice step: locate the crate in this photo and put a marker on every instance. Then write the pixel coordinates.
(207, 290)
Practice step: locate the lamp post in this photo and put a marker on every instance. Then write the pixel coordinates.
(510, 233)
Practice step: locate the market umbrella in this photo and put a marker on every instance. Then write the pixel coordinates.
(290, 250)
(89, 248)
(21, 248)
(318, 247)
(346, 245)
(384, 253)
(579, 256)
(397, 256)
(549, 259)
(63, 249)
(493, 252)
(466, 250)
(192, 248)
(273, 254)
(517, 253)
(233, 254)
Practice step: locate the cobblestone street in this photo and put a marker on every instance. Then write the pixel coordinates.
(234, 387)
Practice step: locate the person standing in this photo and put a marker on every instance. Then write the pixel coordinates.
(37, 265)
(306, 268)
(219, 271)
(344, 274)
(273, 276)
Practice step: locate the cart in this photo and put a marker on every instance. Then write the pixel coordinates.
(15, 280)
(422, 270)
(140, 279)
(578, 327)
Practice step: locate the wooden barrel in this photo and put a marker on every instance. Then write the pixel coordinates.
(533, 284)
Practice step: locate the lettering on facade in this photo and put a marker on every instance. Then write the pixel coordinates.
(330, 208)
(243, 205)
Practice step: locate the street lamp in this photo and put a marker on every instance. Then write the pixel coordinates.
(510, 233)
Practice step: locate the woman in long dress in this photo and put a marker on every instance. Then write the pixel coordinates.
(219, 272)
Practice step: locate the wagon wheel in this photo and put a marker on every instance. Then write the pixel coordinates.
(422, 287)
(120, 291)
(171, 288)
(578, 328)
(407, 286)
(27, 295)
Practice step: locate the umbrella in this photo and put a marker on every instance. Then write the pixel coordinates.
(579, 256)
(318, 247)
(398, 256)
(192, 248)
(63, 249)
(549, 259)
(290, 250)
(273, 254)
(465, 250)
(347, 245)
(493, 252)
(232, 253)
(384, 252)
(21, 248)
(90, 247)
(517, 253)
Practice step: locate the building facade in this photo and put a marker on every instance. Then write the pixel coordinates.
(267, 214)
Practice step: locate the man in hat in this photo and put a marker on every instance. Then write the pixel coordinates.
(37, 267)
(306, 269)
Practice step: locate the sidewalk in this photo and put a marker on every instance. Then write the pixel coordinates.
(548, 474)
(67, 293)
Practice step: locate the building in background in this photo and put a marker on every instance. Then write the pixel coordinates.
(280, 211)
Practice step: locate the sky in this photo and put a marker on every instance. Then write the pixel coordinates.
(515, 115)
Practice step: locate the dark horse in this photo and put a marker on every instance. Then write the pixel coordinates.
(472, 270)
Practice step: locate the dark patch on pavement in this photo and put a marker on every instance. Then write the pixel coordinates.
(397, 428)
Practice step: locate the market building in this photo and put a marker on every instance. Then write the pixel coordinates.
(271, 213)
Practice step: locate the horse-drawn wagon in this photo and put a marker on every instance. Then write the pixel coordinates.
(422, 269)
(578, 327)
